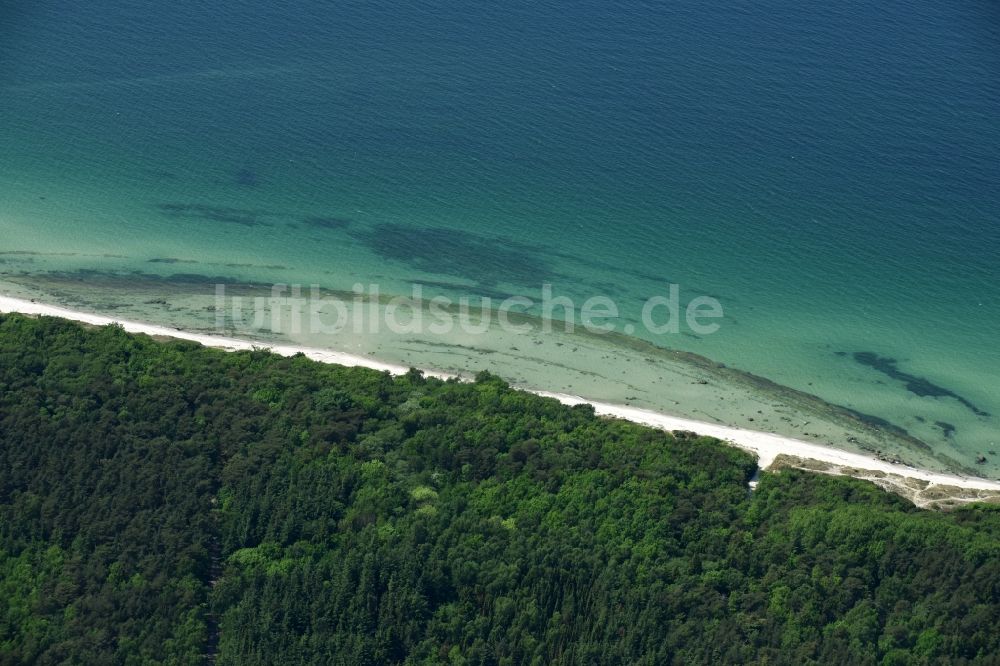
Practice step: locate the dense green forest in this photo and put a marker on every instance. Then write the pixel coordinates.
(165, 503)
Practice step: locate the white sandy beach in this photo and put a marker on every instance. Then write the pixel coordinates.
(766, 446)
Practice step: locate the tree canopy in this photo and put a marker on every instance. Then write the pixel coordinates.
(165, 503)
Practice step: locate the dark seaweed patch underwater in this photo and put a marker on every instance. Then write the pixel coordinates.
(484, 260)
(920, 386)
(241, 216)
(246, 178)
(326, 222)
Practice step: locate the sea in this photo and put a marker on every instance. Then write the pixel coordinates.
(825, 176)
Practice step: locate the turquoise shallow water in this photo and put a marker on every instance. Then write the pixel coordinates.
(829, 174)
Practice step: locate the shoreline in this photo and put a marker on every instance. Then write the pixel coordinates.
(768, 447)
(611, 368)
